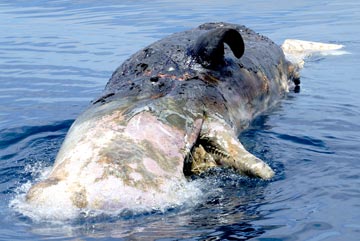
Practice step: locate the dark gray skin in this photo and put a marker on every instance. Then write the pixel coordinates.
(202, 69)
(199, 73)
(172, 109)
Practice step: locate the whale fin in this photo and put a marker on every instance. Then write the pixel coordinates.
(209, 47)
(296, 51)
(217, 146)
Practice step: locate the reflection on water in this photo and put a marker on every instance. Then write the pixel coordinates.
(56, 56)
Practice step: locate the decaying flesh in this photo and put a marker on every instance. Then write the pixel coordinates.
(173, 109)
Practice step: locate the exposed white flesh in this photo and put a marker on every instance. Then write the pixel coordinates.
(297, 50)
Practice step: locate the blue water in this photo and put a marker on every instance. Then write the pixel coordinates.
(56, 56)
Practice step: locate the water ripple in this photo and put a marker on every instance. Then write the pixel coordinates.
(57, 55)
(302, 140)
(9, 137)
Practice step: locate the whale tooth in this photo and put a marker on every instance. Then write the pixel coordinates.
(201, 160)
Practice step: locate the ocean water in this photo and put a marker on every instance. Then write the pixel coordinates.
(56, 56)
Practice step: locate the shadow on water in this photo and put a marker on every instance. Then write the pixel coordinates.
(259, 139)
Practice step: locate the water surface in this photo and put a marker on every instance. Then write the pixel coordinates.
(56, 56)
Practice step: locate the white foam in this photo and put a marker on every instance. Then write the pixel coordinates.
(40, 214)
(19, 204)
(178, 194)
(334, 52)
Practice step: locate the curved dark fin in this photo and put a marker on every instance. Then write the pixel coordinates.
(209, 48)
